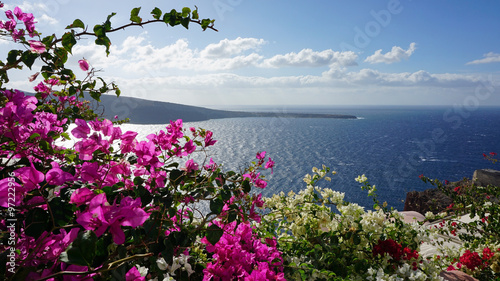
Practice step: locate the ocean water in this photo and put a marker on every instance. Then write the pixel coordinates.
(392, 146)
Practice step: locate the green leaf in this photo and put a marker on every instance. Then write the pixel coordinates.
(62, 212)
(68, 41)
(156, 13)
(185, 22)
(195, 15)
(205, 23)
(99, 30)
(216, 206)
(61, 56)
(82, 250)
(107, 23)
(76, 24)
(168, 253)
(214, 233)
(12, 56)
(171, 18)
(37, 221)
(34, 136)
(185, 12)
(102, 250)
(29, 58)
(134, 15)
(104, 41)
(47, 41)
(246, 186)
(176, 175)
(96, 95)
(356, 239)
(67, 74)
(45, 146)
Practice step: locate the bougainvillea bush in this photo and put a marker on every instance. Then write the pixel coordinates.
(83, 199)
(110, 206)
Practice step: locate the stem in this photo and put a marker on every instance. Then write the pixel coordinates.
(109, 268)
(125, 26)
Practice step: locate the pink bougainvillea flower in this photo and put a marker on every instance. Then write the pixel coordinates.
(189, 147)
(6, 187)
(208, 139)
(81, 196)
(191, 166)
(211, 165)
(86, 148)
(128, 141)
(260, 183)
(56, 176)
(90, 172)
(84, 65)
(269, 164)
(147, 154)
(133, 214)
(29, 176)
(33, 77)
(37, 47)
(93, 218)
(261, 155)
(81, 130)
(134, 275)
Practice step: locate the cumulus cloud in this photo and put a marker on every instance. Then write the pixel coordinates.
(228, 48)
(488, 58)
(395, 55)
(310, 58)
(136, 55)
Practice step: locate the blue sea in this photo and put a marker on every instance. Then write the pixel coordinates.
(391, 145)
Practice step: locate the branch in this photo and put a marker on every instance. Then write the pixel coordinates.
(128, 25)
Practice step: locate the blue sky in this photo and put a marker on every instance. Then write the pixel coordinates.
(278, 52)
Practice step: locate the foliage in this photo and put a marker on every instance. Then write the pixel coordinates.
(111, 206)
(345, 243)
(479, 254)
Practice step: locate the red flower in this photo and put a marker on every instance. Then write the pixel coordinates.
(471, 259)
(390, 247)
(487, 254)
(493, 153)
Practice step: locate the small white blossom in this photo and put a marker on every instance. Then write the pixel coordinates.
(361, 179)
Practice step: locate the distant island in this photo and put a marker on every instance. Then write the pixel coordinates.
(141, 111)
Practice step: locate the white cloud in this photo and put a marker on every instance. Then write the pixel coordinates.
(488, 58)
(138, 56)
(228, 48)
(310, 58)
(395, 55)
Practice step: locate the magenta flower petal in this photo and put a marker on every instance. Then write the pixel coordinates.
(37, 47)
(84, 65)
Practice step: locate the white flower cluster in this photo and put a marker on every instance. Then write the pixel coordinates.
(406, 272)
(306, 216)
(178, 262)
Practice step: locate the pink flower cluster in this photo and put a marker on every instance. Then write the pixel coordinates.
(10, 25)
(255, 177)
(29, 22)
(241, 254)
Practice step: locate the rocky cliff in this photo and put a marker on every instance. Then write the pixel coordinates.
(436, 201)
